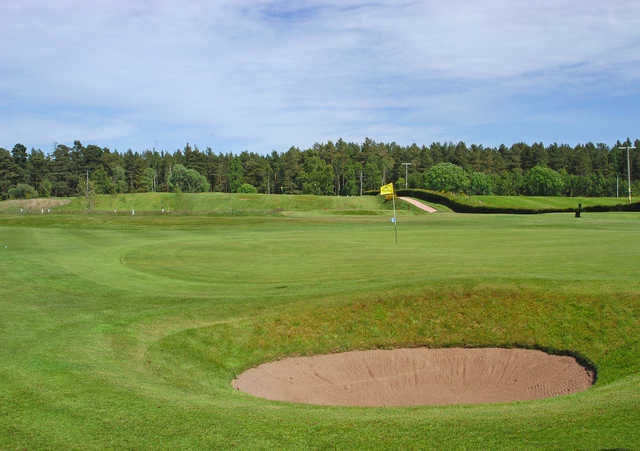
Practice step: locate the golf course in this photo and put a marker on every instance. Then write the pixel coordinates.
(127, 331)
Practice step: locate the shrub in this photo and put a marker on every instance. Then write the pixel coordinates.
(22, 191)
(187, 180)
(247, 188)
(46, 187)
(481, 183)
(447, 177)
(543, 181)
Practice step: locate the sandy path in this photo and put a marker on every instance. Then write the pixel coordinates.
(418, 204)
(417, 376)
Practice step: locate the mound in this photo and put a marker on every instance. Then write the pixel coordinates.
(419, 376)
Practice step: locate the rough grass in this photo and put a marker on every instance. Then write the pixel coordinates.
(231, 204)
(121, 332)
(15, 205)
(278, 205)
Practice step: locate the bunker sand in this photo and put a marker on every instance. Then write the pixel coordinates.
(418, 376)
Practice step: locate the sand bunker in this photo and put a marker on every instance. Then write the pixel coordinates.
(419, 376)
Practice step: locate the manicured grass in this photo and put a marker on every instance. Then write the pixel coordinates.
(538, 202)
(119, 331)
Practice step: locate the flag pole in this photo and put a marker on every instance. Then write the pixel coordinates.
(386, 190)
(395, 220)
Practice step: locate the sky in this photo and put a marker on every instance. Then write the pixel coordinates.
(266, 75)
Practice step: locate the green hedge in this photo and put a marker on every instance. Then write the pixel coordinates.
(459, 207)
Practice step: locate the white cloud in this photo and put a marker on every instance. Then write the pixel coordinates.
(52, 130)
(262, 74)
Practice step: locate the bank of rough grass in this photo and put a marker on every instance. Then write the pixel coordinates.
(230, 204)
(121, 332)
(598, 330)
(290, 205)
(32, 205)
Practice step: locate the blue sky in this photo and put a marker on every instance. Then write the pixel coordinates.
(265, 75)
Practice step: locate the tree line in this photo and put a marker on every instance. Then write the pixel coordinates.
(332, 168)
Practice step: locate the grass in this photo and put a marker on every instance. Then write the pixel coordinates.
(537, 202)
(225, 204)
(119, 331)
(236, 204)
(31, 205)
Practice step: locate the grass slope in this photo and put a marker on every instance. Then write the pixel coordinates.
(537, 202)
(123, 331)
(32, 205)
(285, 205)
(236, 204)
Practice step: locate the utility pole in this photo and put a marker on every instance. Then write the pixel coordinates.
(86, 191)
(406, 174)
(361, 182)
(628, 169)
(617, 187)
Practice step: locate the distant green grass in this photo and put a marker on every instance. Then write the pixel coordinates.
(225, 203)
(537, 202)
(282, 205)
(125, 332)
(228, 204)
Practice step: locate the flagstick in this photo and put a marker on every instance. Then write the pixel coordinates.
(384, 189)
(395, 220)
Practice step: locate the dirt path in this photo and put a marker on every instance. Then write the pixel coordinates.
(418, 376)
(418, 204)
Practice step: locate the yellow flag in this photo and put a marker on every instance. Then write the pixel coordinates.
(386, 189)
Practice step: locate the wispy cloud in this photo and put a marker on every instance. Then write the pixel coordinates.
(262, 75)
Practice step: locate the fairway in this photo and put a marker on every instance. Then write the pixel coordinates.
(120, 331)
